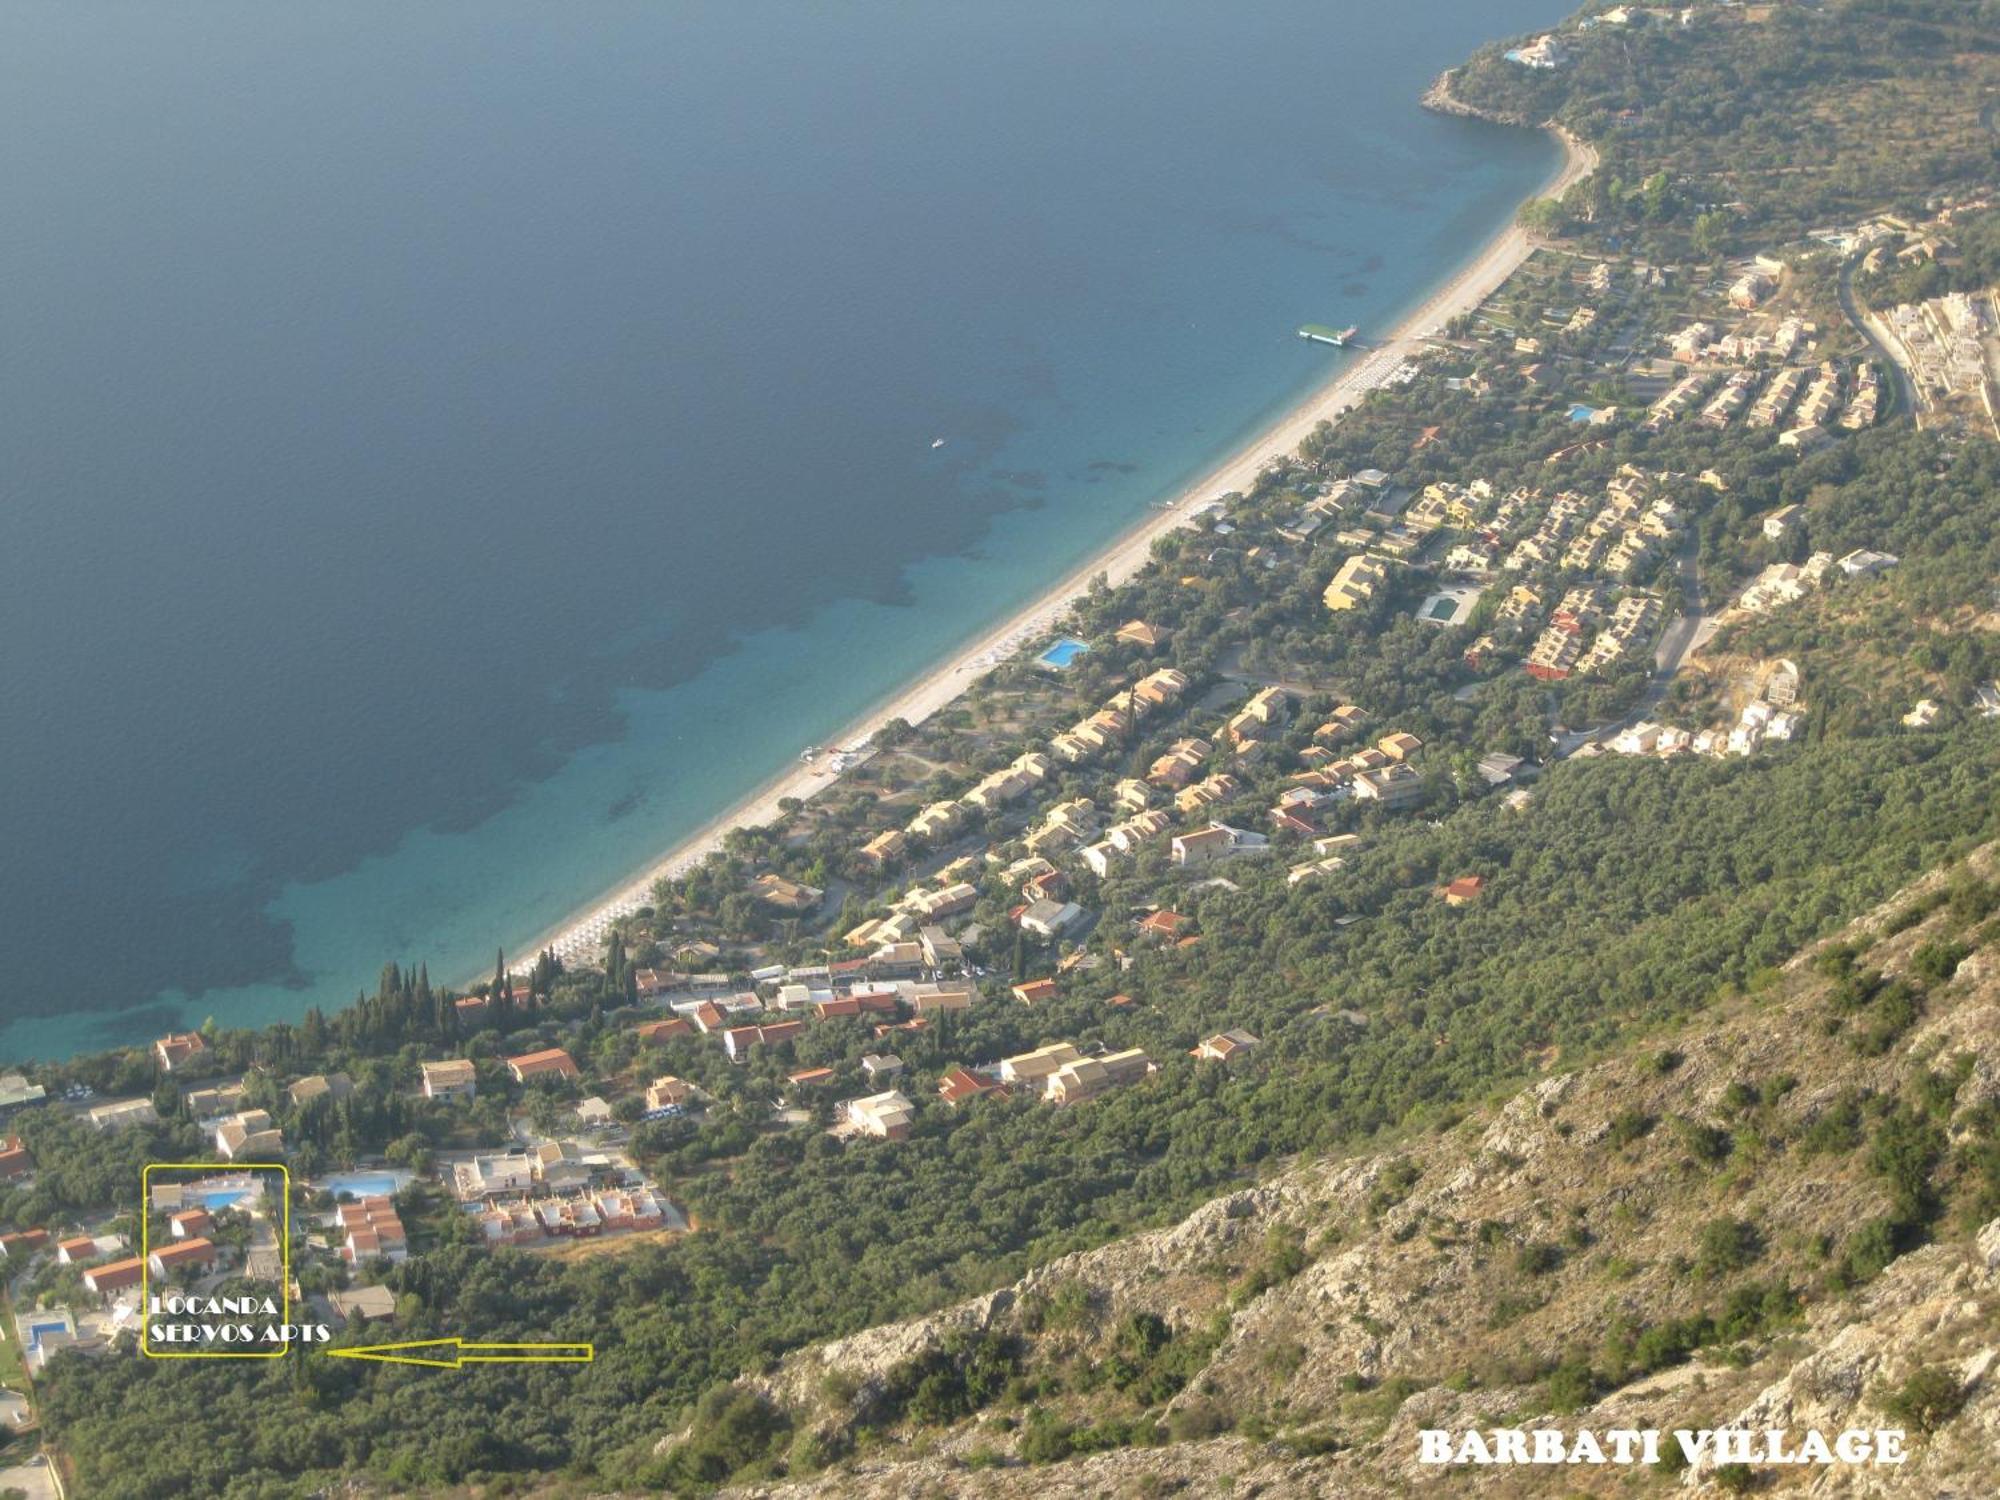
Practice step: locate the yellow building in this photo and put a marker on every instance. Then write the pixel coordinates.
(1355, 583)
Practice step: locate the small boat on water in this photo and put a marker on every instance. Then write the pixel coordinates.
(937, 442)
(1319, 333)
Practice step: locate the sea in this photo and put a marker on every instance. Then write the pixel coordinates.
(448, 452)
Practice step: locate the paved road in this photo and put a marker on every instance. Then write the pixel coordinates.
(1690, 629)
(1906, 389)
(1687, 632)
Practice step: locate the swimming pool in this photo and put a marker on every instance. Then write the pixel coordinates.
(214, 1198)
(1062, 653)
(1582, 413)
(365, 1184)
(37, 1329)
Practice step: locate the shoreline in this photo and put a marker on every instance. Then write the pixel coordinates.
(580, 936)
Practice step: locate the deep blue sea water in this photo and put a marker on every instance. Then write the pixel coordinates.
(448, 451)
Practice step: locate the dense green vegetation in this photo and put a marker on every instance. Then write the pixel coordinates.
(1631, 893)
(1760, 123)
(1628, 895)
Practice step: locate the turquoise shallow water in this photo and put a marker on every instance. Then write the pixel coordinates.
(453, 450)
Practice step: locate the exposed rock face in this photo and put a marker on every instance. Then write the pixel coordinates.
(1437, 1281)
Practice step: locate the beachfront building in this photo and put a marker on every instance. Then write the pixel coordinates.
(176, 1051)
(16, 1093)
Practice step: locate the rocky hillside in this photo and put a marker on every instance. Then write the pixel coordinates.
(1785, 1214)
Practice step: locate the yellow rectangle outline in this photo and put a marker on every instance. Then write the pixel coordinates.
(146, 1255)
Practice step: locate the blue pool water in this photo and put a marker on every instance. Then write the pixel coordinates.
(36, 1330)
(363, 1184)
(216, 1198)
(1062, 653)
(1582, 413)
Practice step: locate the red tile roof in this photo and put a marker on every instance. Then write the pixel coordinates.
(187, 1250)
(959, 1085)
(115, 1275)
(549, 1060)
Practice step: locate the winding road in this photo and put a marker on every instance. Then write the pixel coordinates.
(1906, 388)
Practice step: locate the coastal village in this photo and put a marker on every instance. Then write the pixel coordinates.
(1062, 833)
(1528, 544)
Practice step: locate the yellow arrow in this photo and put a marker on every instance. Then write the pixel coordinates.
(455, 1354)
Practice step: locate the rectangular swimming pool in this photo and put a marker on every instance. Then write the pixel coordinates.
(37, 1329)
(1062, 653)
(364, 1184)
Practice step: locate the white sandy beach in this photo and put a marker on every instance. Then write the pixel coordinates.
(580, 938)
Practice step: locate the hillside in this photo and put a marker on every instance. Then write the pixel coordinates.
(1781, 1213)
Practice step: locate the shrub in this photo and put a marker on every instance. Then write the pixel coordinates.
(1928, 1399)
(1937, 960)
(1737, 1479)
(1046, 1441)
(1740, 1096)
(1705, 1143)
(1571, 1385)
(1727, 1245)
(1538, 1258)
(1869, 1251)
(1838, 1128)
(1629, 1125)
(1198, 1419)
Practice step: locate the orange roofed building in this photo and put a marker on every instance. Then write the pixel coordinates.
(553, 1062)
(191, 1224)
(114, 1276)
(374, 1231)
(661, 1031)
(960, 1084)
(22, 1243)
(1465, 890)
(75, 1252)
(171, 1051)
(198, 1254)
